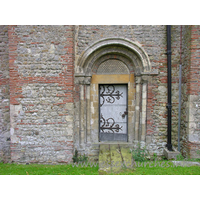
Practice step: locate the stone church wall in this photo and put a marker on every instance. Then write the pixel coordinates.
(186, 61)
(41, 93)
(153, 40)
(4, 96)
(190, 126)
(193, 103)
(43, 104)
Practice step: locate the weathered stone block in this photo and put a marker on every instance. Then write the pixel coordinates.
(171, 154)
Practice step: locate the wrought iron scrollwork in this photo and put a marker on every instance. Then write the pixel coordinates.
(110, 95)
(109, 125)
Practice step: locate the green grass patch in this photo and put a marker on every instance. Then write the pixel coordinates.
(160, 168)
(38, 169)
(193, 170)
(144, 168)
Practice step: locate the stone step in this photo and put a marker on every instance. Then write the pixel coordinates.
(114, 157)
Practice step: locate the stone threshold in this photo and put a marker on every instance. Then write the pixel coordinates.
(114, 157)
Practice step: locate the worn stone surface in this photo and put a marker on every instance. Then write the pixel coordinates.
(114, 157)
(171, 154)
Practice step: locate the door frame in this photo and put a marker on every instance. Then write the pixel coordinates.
(94, 96)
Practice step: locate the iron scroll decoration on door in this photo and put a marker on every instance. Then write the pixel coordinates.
(111, 94)
(113, 112)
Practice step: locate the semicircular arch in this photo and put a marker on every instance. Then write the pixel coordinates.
(129, 49)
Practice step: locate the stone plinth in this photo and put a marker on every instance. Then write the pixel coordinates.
(171, 154)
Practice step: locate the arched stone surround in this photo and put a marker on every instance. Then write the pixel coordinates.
(136, 59)
(112, 44)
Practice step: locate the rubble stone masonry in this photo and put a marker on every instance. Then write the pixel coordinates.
(190, 113)
(193, 117)
(41, 93)
(4, 96)
(153, 40)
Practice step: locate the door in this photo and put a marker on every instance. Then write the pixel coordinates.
(113, 113)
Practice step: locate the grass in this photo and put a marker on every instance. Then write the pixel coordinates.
(193, 170)
(37, 169)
